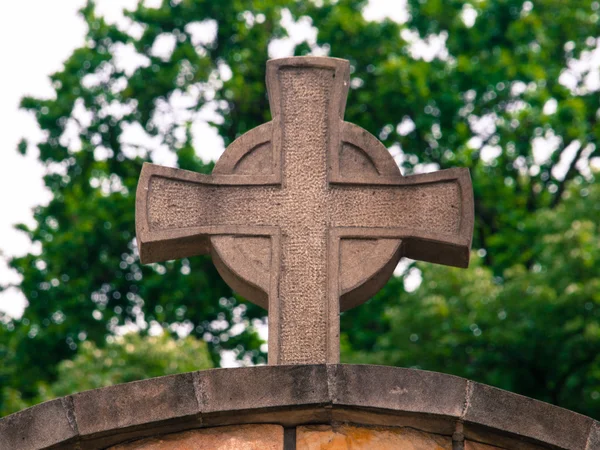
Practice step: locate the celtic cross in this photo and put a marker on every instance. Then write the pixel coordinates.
(305, 215)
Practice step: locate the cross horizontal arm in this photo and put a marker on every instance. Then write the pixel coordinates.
(177, 211)
(432, 214)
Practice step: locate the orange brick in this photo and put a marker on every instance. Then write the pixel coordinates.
(325, 437)
(239, 437)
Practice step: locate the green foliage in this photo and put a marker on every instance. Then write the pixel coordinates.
(535, 330)
(128, 358)
(125, 358)
(528, 293)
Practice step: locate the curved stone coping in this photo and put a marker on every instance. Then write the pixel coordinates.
(297, 395)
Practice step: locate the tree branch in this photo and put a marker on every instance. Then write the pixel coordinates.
(568, 177)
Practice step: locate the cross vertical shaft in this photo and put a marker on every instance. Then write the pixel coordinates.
(303, 314)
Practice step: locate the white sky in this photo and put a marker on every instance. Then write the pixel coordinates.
(36, 36)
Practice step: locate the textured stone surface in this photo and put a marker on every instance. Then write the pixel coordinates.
(523, 416)
(294, 204)
(325, 437)
(41, 426)
(593, 442)
(134, 404)
(293, 396)
(401, 389)
(239, 437)
(226, 390)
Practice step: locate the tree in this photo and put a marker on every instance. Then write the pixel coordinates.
(502, 96)
(534, 330)
(128, 358)
(124, 358)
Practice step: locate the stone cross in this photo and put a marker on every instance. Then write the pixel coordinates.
(306, 215)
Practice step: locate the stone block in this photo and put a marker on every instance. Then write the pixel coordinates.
(131, 405)
(393, 388)
(261, 388)
(326, 437)
(40, 426)
(524, 418)
(240, 437)
(594, 437)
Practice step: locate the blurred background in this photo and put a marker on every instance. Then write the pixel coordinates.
(91, 90)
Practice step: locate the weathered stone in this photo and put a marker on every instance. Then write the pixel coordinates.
(240, 437)
(136, 404)
(326, 437)
(399, 389)
(306, 214)
(522, 417)
(593, 442)
(38, 427)
(470, 445)
(297, 396)
(256, 388)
